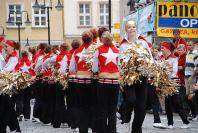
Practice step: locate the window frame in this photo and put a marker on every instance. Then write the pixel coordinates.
(104, 14)
(14, 15)
(40, 16)
(84, 14)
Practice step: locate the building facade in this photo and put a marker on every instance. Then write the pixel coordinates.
(38, 30)
(81, 15)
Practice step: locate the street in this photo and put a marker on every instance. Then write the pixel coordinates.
(30, 127)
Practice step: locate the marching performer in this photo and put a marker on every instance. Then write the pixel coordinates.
(136, 94)
(48, 87)
(83, 75)
(105, 62)
(174, 100)
(2, 64)
(2, 60)
(61, 66)
(73, 100)
(24, 66)
(38, 89)
(8, 115)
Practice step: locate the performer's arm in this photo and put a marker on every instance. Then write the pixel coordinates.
(10, 66)
(73, 65)
(95, 66)
(174, 67)
(48, 61)
(38, 65)
(63, 66)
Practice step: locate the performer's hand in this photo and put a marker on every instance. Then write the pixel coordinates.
(190, 96)
(180, 68)
(158, 89)
(195, 87)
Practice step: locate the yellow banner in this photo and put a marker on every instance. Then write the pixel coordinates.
(116, 37)
(177, 15)
(116, 25)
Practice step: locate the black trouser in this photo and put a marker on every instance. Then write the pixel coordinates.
(38, 93)
(107, 97)
(49, 90)
(59, 115)
(136, 97)
(7, 114)
(26, 102)
(75, 104)
(196, 102)
(18, 101)
(173, 103)
(86, 103)
(68, 103)
(153, 100)
(193, 103)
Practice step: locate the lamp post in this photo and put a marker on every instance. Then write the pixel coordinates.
(19, 23)
(27, 43)
(37, 7)
(3, 33)
(110, 15)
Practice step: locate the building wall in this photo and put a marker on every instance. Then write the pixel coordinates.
(35, 35)
(124, 9)
(72, 29)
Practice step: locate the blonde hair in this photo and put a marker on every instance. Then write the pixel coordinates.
(129, 23)
(107, 37)
(107, 34)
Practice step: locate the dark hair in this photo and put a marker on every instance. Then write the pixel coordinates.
(24, 54)
(87, 37)
(32, 50)
(42, 46)
(48, 49)
(55, 48)
(156, 47)
(176, 31)
(101, 30)
(64, 46)
(75, 44)
(94, 32)
(17, 45)
(172, 46)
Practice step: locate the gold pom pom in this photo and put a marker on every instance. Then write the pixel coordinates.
(137, 62)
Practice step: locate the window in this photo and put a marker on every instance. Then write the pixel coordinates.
(104, 14)
(39, 18)
(15, 14)
(84, 14)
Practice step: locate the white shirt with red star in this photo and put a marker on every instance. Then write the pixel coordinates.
(78, 62)
(11, 62)
(106, 59)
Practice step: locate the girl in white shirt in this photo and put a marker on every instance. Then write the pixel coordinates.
(7, 112)
(173, 101)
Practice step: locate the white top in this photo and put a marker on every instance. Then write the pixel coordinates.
(73, 65)
(38, 64)
(125, 46)
(2, 62)
(96, 63)
(48, 63)
(63, 65)
(11, 64)
(174, 64)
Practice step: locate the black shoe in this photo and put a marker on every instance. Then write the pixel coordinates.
(56, 126)
(18, 131)
(20, 118)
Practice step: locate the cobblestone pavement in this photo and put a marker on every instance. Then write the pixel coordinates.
(29, 127)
